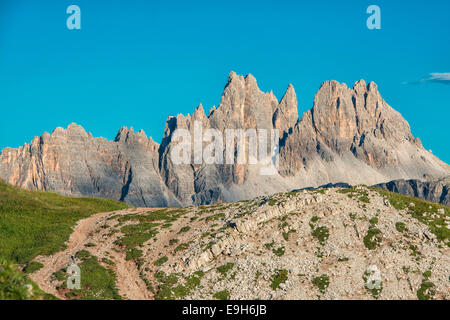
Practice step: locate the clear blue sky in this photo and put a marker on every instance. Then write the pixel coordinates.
(134, 63)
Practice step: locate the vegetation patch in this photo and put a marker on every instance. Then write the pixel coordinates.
(286, 234)
(97, 282)
(322, 282)
(32, 267)
(279, 252)
(364, 199)
(426, 291)
(133, 254)
(400, 226)
(169, 289)
(161, 261)
(321, 234)
(36, 223)
(166, 215)
(269, 245)
(181, 247)
(356, 192)
(278, 278)
(15, 285)
(223, 270)
(372, 238)
(222, 295)
(137, 234)
(184, 229)
(217, 216)
(108, 261)
(429, 213)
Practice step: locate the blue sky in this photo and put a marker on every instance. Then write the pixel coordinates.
(134, 63)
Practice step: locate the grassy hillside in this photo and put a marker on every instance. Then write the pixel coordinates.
(38, 223)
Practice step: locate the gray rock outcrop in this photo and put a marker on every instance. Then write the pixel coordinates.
(434, 191)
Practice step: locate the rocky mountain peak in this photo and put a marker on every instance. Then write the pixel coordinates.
(199, 114)
(286, 113)
(123, 134)
(350, 135)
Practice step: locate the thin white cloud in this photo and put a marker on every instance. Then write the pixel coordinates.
(435, 77)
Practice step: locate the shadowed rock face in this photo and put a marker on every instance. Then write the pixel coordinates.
(72, 162)
(350, 135)
(435, 191)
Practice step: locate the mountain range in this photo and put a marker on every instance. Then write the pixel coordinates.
(350, 135)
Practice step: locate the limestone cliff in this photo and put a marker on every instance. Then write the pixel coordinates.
(350, 135)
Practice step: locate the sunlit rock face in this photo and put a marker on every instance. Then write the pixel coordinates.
(350, 135)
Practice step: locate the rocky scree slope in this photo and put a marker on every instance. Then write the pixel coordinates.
(355, 243)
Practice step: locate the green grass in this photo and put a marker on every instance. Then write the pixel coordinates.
(97, 282)
(32, 267)
(15, 285)
(400, 226)
(223, 270)
(279, 252)
(39, 223)
(161, 261)
(321, 234)
(286, 234)
(364, 199)
(278, 278)
(422, 211)
(169, 287)
(363, 195)
(184, 229)
(181, 247)
(217, 216)
(269, 245)
(36, 223)
(372, 238)
(146, 227)
(137, 234)
(133, 254)
(108, 261)
(322, 282)
(166, 215)
(222, 295)
(426, 291)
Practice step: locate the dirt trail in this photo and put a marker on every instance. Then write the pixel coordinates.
(129, 284)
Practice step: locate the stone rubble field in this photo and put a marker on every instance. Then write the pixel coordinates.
(358, 243)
